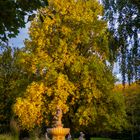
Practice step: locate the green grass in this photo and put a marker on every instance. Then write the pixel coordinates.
(8, 137)
(96, 139)
(5, 137)
(100, 139)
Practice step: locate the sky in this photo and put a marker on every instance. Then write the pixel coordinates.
(18, 41)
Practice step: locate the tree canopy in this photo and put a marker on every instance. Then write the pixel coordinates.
(13, 82)
(67, 52)
(132, 102)
(124, 22)
(14, 14)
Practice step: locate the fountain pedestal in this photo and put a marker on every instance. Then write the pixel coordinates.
(58, 132)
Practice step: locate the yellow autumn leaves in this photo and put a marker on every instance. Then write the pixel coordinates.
(60, 91)
(29, 108)
(61, 41)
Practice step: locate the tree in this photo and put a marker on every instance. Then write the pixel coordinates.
(132, 98)
(13, 14)
(68, 52)
(124, 17)
(132, 102)
(12, 83)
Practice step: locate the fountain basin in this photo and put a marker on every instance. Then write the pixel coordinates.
(58, 131)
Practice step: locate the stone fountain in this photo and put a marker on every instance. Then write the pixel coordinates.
(57, 131)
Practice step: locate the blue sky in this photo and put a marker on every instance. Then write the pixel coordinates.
(18, 41)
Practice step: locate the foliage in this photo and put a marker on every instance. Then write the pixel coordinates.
(132, 101)
(68, 51)
(12, 82)
(13, 14)
(124, 23)
(115, 112)
(31, 106)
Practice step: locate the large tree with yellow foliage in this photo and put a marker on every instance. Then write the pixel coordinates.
(67, 52)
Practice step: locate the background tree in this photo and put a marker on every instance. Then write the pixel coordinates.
(13, 81)
(68, 51)
(14, 14)
(132, 102)
(132, 98)
(124, 22)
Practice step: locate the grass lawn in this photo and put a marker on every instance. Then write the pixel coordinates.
(5, 137)
(97, 139)
(100, 139)
(8, 137)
